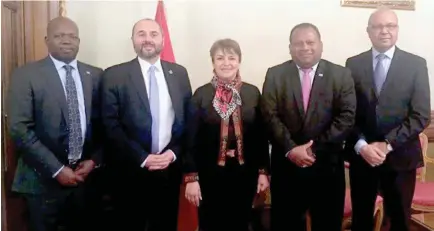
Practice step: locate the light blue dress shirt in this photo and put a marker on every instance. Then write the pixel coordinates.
(386, 64)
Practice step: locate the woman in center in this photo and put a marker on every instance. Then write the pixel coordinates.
(227, 158)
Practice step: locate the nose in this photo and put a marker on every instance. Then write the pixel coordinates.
(66, 41)
(384, 30)
(226, 62)
(148, 39)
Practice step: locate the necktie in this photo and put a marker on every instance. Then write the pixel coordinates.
(154, 104)
(306, 86)
(379, 73)
(75, 136)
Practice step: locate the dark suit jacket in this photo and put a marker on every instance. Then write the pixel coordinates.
(127, 115)
(38, 122)
(328, 120)
(204, 132)
(399, 114)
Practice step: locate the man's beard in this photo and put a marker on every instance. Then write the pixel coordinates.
(148, 54)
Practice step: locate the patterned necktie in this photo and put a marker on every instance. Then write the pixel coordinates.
(306, 86)
(379, 73)
(154, 104)
(75, 135)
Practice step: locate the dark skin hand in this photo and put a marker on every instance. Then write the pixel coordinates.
(84, 168)
(67, 177)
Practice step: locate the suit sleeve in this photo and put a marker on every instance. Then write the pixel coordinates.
(345, 106)
(22, 126)
(97, 125)
(277, 129)
(419, 111)
(111, 111)
(177, 141)
(194, 122)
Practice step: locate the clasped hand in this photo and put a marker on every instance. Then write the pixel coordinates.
(375, 153)
(159, 161)
(69, 177)
(302, 155)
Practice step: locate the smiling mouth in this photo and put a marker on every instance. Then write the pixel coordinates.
(66, 49)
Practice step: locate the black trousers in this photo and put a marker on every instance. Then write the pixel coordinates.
(396, 187)
(319, 189)
(146, 201)
(227, 197)
(60, 209)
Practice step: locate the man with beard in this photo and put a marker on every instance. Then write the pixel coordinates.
(55, 125)
(144, 103)
(393, 108)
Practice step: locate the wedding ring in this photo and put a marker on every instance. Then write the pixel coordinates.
(304, 166)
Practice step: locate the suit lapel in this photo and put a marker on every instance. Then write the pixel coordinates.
(55, 86)
(394, 67)
(295, 85)
(172, 86)
(369, 73)
(139, 82)
(86, 82)
(318, 87)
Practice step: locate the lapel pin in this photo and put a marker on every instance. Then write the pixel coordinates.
(320, 75)
(170, 72)
(88, 72)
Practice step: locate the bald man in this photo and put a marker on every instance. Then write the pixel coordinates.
(393, 108)
(144, 107)
(53, 121)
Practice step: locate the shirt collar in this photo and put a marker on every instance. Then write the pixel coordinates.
(59, 64)
(313, 68)
(389, 53)
(145, 65)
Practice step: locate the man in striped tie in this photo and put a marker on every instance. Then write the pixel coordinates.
(144, 108)
(310, 105)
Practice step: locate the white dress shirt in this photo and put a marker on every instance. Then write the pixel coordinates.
(61, 71)
(167, 114)
(311, 74)
(386, 64)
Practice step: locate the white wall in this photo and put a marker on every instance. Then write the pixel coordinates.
(261, 27)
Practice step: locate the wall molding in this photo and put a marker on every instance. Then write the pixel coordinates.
(62, 8)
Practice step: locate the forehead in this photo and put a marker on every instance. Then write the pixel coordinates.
(384, 17)
(306, 33)
(64, 27)
(146, 26)
(225, 51)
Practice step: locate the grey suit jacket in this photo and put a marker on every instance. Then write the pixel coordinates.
(38, 123)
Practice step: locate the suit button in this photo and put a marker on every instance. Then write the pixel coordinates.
(66, 150)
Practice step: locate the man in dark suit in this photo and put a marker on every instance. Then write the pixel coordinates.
(53, 111)
(144, 105)
(393, 108)
(309, 105)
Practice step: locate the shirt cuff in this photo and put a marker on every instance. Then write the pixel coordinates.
(359, 145)
(58, 171)
(144, 162)
(174, 158)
